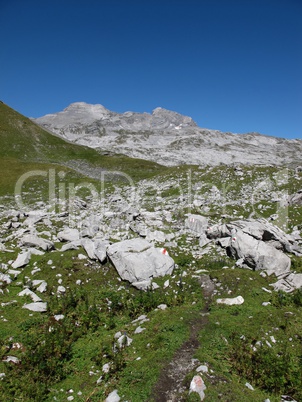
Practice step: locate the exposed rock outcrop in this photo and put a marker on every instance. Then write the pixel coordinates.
(166, 137)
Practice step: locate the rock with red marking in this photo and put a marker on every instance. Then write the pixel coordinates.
(198, 385)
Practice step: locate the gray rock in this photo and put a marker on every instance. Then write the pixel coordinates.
(34, 217)
(295, 199)
(22, 260)
(288, 283)
(197, 224)
(89, 247)
(31, 294)
(35, 241)
(218, 231)
(166, 137)
(113, 397)
(157, 236)
(139, 330)
(35, 251)
(138, 262)
(124, 340)
(203, 240)
(139, 227)
(11, 359)
(39, 307)
(42, 287)
(100, 250)
(261, 229)
(69, 235)
(258, 255)
(231, 301)
(5, 278)
(73, 245)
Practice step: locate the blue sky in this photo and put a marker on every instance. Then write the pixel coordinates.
(232, 65)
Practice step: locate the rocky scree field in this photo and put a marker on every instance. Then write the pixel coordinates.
(175, 284)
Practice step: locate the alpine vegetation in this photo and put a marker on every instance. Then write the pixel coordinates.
(173, 277)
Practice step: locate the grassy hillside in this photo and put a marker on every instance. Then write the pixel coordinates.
(24, 146)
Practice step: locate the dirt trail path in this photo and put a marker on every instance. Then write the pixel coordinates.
(170, 384)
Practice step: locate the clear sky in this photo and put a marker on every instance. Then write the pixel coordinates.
(232, 65)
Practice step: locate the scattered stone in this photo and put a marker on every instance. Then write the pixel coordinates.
(123, 341)
(59, 317)
(11, 359)
(288, 283)
(88, 246)
(266, 290)
(295, 199)
(113, 397)
(286, 398)
(31, 294)
(74, 245)
(22, 260)
(5, 278)
(258, 255)
(249, 386)
(35, 241)
(203, 368)
(162, 306)
(106, 368)
(139, 330)
(166, 284)
(231, 301)
(61, 289)
(39, 307)
(155, 285)
(42, 287)
(69, 235)
(141, 319)
(157, 236)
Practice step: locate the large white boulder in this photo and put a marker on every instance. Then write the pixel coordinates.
(137, 261)
(257, 254)
(257, 244)
(263, 230)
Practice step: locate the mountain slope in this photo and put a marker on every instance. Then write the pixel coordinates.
(24, 146)
(166, 137)
(21, 138)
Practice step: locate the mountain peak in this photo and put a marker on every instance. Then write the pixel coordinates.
(173, 118)
(166, 137)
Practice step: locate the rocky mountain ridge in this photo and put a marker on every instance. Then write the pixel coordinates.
(166, 137)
